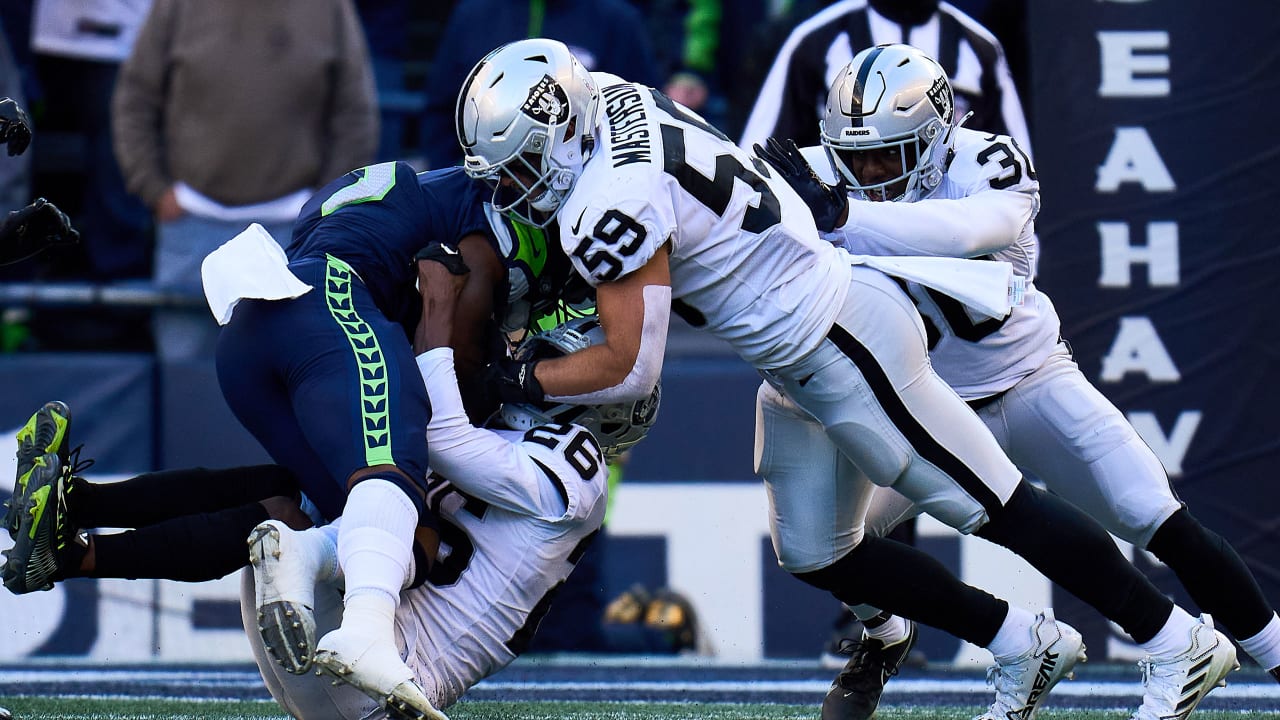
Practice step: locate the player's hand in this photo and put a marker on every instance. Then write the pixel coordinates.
(15, 129)
(36, 227)
(828, 203)
(513, 382)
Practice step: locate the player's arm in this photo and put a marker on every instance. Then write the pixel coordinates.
(477, 461)
(973, 226)
(473, 307)
(634, 311)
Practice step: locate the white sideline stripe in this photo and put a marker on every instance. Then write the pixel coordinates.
(900, 686)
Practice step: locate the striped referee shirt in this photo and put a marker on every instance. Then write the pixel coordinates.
(794, 95)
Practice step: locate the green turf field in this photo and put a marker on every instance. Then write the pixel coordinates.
(27, 708)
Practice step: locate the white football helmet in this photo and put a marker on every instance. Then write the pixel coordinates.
(617, 426)
(896, 100)
(526, 119)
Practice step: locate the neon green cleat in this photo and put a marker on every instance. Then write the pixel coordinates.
(47, 431)
(33, 562)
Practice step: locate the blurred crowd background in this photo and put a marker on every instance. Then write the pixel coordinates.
(146, 109)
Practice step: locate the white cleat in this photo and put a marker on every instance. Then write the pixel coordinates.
(1021, 684)
(284, 573)
(377, 670)
(1174, 685)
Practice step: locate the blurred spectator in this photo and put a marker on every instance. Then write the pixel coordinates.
(386, 28)
(233, 112)
(606, 35)
(795, 90)
(78, 46)
(700, 52)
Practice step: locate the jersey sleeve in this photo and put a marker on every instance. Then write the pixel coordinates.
(989, 195)
(613, 235)
(483, 463)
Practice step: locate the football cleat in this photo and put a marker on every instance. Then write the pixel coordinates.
(33, 561)
(1173, 686)
(46, 431)
(284, 574)
(377, 670)
(1022, 683)
(856, 692)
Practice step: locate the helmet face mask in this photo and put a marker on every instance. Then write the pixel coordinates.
(525, 120)
(888, 124)
(616, 426)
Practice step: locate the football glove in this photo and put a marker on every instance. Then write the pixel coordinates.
(15, 129)
(445, 254)
(513, 381)
(29, 230)
(827, 202)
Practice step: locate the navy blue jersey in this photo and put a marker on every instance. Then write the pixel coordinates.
(376, 218)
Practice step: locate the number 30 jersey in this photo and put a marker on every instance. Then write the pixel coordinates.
(746, 260)
(984, 208)
(516, 511)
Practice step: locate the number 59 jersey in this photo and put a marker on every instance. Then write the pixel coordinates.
(746, 261)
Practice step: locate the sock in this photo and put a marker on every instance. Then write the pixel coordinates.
(1211, 570)
(906, 581)
(1073, 550)
(889, 630)
(192, 548)
(1014, 637)
(375, 549)
(154, 497)
(327, 536)
(1173, 637)
(1265, 646)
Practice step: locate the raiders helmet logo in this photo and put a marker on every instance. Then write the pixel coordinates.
(547, 102)
(940, 95)
(644, 411)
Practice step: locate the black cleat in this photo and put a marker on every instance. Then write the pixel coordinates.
(855, 694)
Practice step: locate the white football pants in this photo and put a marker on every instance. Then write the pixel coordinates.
(1058, 428)
(883, 418)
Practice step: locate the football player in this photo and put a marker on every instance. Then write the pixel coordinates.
(518, 503)
(923, 185)
(655, 204)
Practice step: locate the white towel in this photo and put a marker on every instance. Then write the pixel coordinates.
(987, 286)
(249, 265)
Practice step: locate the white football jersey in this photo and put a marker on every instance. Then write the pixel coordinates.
(746, 260)
(516, 513)
(985, 208)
